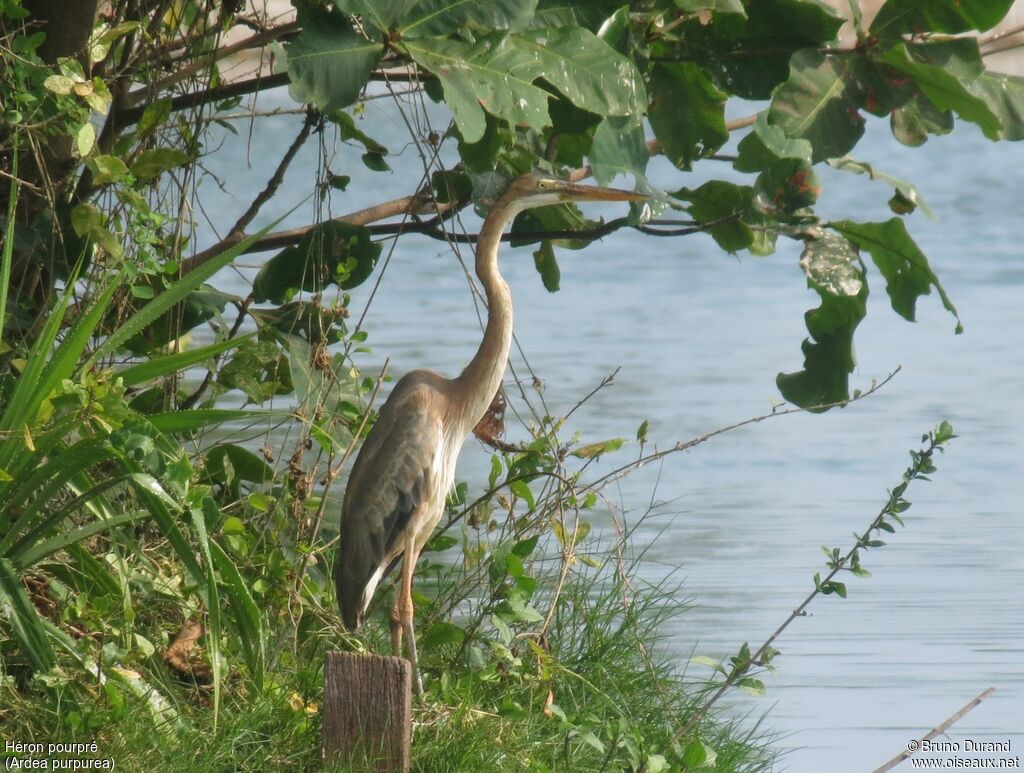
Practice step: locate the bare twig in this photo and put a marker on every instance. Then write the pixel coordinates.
(935, 731)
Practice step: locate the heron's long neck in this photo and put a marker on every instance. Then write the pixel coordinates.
(482, 377)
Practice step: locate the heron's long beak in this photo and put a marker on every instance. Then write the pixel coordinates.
(594, 193)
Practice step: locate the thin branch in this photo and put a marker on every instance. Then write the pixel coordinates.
(202, 63)
(913, 746)
(999, 35)
(688, 444)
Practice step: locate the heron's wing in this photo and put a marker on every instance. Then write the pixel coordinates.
(393, 477)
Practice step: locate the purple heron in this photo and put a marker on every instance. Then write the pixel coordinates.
(397, 488)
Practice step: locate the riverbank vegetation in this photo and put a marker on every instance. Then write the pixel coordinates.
(172, 452)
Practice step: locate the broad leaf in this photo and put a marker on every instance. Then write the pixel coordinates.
(591, 14)
(443, 17)
(715, 6)
(560, 217)
(946, 90)
(787, 185)
(766, 144)
(1004, 95)
(332, 253)
(912, 122)
(154, 162)
(546, 263)
(329, 62)
(686, 112)
(492, 74)
(911, 17)
(382, 14)
(589, 72)
(905, 268)
(833, 271)
(722, 206)
(819, 103)
(618, 148)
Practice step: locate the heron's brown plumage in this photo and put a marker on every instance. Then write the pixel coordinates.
(396, 491)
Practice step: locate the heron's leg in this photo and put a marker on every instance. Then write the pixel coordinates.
(405, 609)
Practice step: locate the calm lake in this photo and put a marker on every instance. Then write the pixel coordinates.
(700, 336)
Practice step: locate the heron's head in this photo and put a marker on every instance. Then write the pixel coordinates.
(529, 190)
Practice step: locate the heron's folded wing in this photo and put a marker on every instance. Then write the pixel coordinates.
(392, 478)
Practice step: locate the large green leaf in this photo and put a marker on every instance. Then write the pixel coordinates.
(618, 148)
(560, 217)
(382, 14)
(245, 614)
(749, 56)
(907, 273)
(722, 207)
(332, 253)
(1004, 95)
(592, 74)
(819, 103)
(575, 13)
(199, 306)
(946, 86)
(766, 144)
(492, 74)
(329, 62)
(686, 112)
(834, 271)
(911, 17)
(443, 17)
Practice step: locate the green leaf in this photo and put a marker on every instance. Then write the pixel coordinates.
(907, 273)
(442, 633)
(375, 162)
(788, 184)
(547, 266)
(589, 72)
(329, 62)
(522, 490)
(819, 103)
(158, 367)
(715, 6)
(905, 17)
(594, 450)
(913, 121)
(443, 17)
(107, 169)
(946, 90)
(591, 14)
(492, 74)
(686, 112)
(619, 148)
(722, 206)
(333, 252)
(907, 191)
(245, 465)
(558, 217)
(245, 614)
(828, 353)
(1004, 95)
(154, 162)
(382, 14)
(766, 144)
(751, 686)
(172, 422)
(85, 138)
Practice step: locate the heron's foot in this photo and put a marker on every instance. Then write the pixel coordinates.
(417, 679)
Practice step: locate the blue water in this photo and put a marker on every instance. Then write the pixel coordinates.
(699, 336)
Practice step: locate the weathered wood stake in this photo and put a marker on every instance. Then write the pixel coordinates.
(367, 710)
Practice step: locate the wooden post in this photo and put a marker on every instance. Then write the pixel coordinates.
(367, 710)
